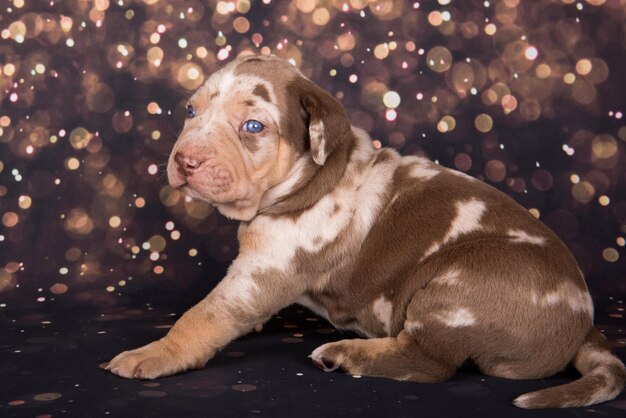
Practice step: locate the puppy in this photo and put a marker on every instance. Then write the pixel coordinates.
(434, 267)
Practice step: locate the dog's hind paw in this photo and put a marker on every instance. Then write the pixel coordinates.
(329, 357)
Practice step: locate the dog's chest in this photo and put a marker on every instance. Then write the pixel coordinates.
(316, 242)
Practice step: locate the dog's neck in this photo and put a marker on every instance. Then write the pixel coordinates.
(308, 182)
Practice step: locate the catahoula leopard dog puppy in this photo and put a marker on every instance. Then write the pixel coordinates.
(433, 266)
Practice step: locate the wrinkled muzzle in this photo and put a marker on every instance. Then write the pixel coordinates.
(208, 174)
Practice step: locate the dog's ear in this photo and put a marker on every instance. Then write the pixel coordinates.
(325, 119)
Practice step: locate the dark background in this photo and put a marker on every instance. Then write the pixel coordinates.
(98, 254)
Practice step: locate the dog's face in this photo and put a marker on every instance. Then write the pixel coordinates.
(246, 127)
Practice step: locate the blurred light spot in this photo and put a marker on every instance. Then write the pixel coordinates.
(583, 191)
(604, 146)
(535, 212)
(610, 254)
(568, 150)
(58, 288)
(583, 91)
(391, 99)
(241, 24)
(495, 170)
(190, 76)
(346, 41)
(463, 78)
(599, 71)
(79, 222)
(9, 70)
(24, 202)
(154, 109)
(381, 51)
(483, 122)
(72, 254)
(569, 78)
(157, 243)
(80, 138)
(7, 280)
(306, 6)
(543, 71)
(542, 180)
(509, 103)
(463, 162)
(435, 18)
(531, 53)
(604, 200)
(321, 16)
(530, 109)
(446, 124)
(122, 121)
(583, 66)
(223, 53)
(10, 219)
(13, 266)
(202, 52)
(155, 57)
(169, 196)
(439, 59)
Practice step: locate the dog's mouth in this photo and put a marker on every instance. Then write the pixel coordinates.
(235, 194)
(215, 182)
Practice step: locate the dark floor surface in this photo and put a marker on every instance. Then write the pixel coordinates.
(50, 358)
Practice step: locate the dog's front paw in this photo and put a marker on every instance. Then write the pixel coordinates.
(333, 356)
(149, 362)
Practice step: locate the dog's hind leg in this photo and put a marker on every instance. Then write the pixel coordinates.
(399, 358)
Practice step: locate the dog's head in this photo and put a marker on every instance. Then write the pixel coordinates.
(246, 127)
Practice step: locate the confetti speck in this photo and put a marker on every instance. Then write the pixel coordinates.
(44, 397)
(244, 388)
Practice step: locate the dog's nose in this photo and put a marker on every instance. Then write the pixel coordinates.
(186, 164)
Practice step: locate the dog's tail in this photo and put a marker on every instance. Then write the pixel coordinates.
(603, 377)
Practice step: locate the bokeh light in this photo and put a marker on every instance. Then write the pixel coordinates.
(522, 95)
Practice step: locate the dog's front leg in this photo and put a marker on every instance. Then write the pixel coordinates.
(243, 299)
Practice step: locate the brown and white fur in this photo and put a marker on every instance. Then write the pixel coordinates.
(434, 267)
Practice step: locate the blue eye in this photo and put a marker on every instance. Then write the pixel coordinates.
(191, 112)
(252, 126)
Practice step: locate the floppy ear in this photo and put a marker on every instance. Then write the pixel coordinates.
(325, 119)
